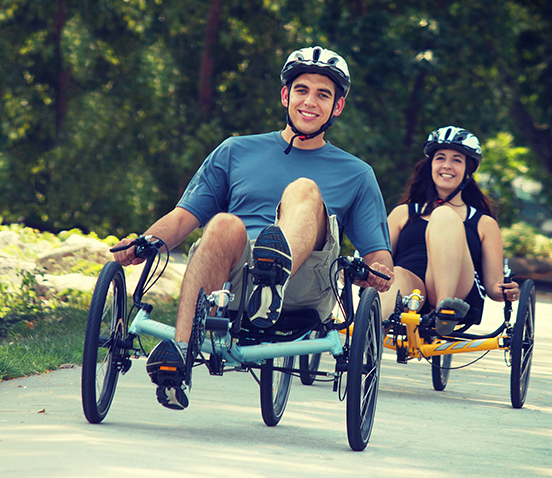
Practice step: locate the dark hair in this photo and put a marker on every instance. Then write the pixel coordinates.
(421, 190)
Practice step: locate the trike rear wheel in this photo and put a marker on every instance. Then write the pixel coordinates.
(275, 388)
(363, 370)
(521, 348)
(440, 371)
(103, 358)
(310, 363)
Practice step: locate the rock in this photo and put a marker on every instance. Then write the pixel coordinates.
(56, 265)
(10, 238)
(67, 281)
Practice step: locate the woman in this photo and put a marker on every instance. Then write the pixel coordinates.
(444, 234)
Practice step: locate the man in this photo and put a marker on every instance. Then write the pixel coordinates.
(291, 191)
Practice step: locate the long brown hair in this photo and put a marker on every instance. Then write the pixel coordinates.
(421, 190)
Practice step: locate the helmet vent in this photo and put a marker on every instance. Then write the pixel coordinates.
(448, 133)
(316, 54)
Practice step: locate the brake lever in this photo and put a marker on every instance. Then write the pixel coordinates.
(362, 270)
(142, 243)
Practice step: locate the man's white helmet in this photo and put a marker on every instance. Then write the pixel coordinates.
(317, 60)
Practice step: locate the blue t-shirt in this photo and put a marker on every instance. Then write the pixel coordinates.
(246, 176)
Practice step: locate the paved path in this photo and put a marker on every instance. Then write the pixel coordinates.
(469, 429)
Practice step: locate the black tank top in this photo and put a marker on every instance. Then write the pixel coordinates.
(411, 252)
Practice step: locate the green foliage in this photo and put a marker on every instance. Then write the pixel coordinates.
(502, 164)
(102, 127)
(20, 305)
(57, 339)
(523, 240)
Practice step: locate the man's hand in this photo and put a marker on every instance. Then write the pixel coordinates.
(378, 283)
(127, 256)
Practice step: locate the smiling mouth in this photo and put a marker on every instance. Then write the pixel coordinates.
(308, 114)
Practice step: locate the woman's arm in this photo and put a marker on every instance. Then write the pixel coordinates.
(492, 261)
(396, 220)
(382, 260)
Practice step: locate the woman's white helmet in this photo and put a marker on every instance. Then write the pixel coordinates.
(452, 137)
(317, 60)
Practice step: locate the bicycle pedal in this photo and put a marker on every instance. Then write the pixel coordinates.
(266, 273)
(447, 312)
(167, 375)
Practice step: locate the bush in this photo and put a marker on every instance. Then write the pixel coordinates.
(22, 305)
(523, 240)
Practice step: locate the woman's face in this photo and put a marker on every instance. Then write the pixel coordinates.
(447, 169)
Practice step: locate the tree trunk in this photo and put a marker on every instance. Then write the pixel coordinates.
(538, 138)
(206, 69)
(62, 75)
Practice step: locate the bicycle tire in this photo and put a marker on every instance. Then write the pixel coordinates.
(275, 388)
(102, 358)
(363, 370)
(521, 348)
(310, 363)
(440, 371)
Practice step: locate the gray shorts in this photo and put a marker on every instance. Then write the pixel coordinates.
(310, 286)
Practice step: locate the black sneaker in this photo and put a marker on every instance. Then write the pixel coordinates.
(271, 269)
(166, 367)
(449, 313)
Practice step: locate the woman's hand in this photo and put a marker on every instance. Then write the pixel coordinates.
(509, 290)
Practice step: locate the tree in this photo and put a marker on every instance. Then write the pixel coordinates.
(108, 108)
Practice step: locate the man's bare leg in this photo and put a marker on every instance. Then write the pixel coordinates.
(221, 247)
(302, 218)
(280, 250)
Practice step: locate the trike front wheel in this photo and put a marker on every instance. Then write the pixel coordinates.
(275, 388)
(363, 370)
(310, 363)
(440, 371)
(103, 357)
(521, 348)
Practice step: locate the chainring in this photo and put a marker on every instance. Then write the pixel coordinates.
(198, 328)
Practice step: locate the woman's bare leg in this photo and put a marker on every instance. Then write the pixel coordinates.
(450, 270)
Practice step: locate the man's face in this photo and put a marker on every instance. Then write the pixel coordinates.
(310, 101)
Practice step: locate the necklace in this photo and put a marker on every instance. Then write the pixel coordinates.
(457, 205)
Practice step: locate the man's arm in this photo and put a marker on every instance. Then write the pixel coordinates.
(380, 261)
(173, 228)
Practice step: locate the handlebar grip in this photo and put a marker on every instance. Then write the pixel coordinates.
(144, 247)
(366, 273)
(380, 274)
(121, 248)
(508, 274)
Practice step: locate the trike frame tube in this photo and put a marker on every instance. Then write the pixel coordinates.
(417, 348)
(143, 324)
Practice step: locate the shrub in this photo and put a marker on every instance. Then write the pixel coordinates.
(523, 240)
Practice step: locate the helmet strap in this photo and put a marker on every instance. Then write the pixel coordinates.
(304, 136)
(461, 187)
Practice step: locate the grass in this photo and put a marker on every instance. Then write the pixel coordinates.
(55, 340)
(58, 339)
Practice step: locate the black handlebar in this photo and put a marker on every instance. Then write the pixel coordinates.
(145, 246)
(359, 270)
